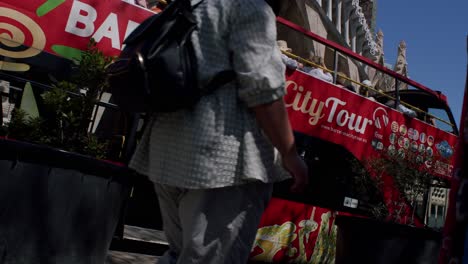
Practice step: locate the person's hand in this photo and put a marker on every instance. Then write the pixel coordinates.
(293, 163)
(300, 65)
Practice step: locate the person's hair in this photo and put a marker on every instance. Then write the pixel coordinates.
(367, 83)
(318, 61)
(340, 78)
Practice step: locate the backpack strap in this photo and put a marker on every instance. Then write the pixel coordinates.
(221, 78)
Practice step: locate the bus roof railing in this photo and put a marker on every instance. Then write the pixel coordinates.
(360, 58)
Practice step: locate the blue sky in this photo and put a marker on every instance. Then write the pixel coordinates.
(435, 35)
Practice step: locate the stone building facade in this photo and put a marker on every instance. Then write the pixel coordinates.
(350, 23)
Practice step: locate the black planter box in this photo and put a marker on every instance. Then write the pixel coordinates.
(56, 206)
(368, 241)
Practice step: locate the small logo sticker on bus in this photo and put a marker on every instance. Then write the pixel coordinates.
(430, 140)
(422, 137)
(395, 127)
(403, 130)
(410, 133)
(401, 153)
(406, 143)
(401, 141)
(416, 135)
(429, 152)
(379, 145)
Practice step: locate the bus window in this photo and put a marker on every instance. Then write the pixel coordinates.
(440, 119)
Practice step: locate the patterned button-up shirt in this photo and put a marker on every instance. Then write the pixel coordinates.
(217, 143)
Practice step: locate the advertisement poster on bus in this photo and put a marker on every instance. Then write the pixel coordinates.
(64, 27)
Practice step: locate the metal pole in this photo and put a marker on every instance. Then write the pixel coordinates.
(397, 94)
(335, 65)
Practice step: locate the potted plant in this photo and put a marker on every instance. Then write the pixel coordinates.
(391, 232)
(60, 200)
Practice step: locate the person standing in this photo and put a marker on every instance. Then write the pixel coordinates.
(320, 73)
(342, 80)
(213, 165)
(290, 63)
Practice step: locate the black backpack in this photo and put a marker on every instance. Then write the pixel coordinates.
(157, 69)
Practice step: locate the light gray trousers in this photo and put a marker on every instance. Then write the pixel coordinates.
(211, 226)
